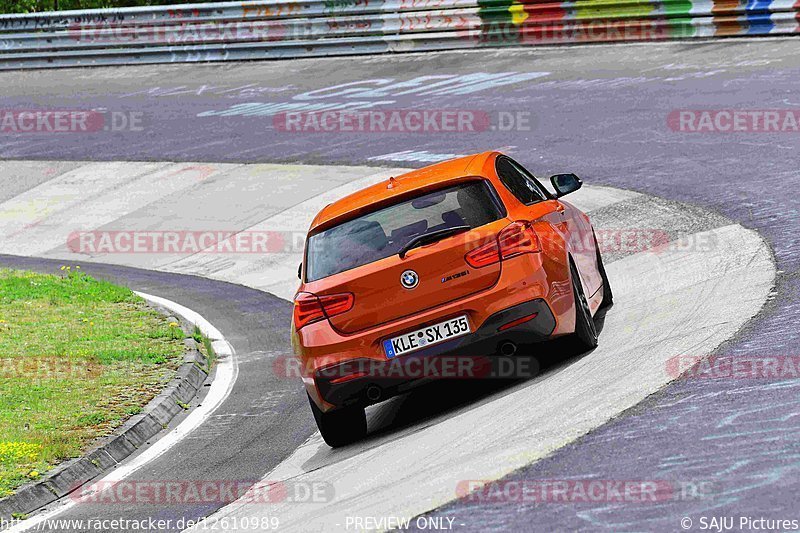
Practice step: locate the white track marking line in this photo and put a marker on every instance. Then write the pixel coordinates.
(206, 328)
(227, 371)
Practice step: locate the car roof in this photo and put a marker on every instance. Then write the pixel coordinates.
(453, 169)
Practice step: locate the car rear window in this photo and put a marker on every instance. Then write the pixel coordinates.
(383, 233)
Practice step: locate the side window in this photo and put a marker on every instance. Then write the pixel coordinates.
(532, 181)
(517, 180)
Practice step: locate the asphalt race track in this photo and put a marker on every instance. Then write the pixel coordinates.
(600, 111)
(705, 267)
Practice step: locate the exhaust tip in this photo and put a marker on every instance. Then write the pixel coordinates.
(508, 348)
(374, 393)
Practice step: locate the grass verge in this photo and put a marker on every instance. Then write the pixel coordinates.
(205, 347)
(78, 356)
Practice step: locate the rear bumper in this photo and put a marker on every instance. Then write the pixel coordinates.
(459, 358)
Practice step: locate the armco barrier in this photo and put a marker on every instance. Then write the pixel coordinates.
(288, 28)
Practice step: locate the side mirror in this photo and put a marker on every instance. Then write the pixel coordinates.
(300, 271)
(565, 183)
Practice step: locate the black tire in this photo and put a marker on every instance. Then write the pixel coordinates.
(608, 296)
(585, 332)
(342, 426)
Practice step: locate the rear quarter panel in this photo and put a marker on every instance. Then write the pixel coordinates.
(583, 249)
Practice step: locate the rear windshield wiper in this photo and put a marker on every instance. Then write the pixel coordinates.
(433, 236)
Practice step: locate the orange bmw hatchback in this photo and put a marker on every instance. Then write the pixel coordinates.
(410, 279)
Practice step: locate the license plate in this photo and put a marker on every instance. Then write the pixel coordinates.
(424, 337)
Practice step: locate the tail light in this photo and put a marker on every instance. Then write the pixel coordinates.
(515, 239)
(483, 255)
(518, 238)
(309, 308)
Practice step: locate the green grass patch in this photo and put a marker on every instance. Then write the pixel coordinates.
(205, 347)
(35, 6)
(78, 356)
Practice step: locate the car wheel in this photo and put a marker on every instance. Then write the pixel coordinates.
(585, 332)
(341, 426)
(608, 296)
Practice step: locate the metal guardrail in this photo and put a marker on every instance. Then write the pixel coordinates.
(271, 29)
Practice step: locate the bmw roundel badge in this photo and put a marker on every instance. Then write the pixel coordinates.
(409, 279)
